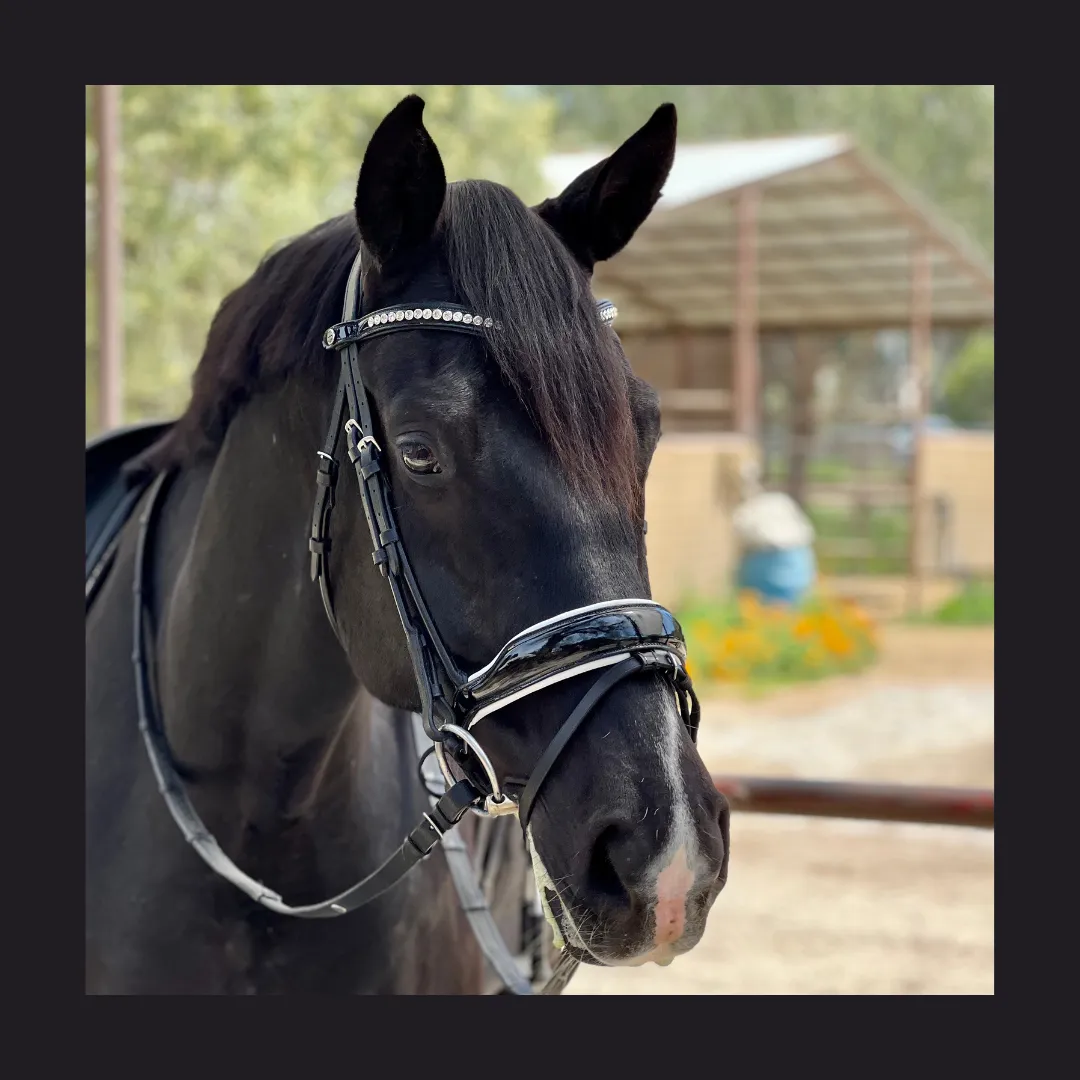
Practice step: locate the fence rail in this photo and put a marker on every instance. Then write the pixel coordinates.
(972, 807)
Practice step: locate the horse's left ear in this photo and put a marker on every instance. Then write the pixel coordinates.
(601, 210)
(402, 185)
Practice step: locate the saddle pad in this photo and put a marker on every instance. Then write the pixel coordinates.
(111, 496)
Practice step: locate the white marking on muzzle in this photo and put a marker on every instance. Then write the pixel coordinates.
(672, 886)
(673, 871)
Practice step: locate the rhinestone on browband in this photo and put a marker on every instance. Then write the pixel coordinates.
(447, 316)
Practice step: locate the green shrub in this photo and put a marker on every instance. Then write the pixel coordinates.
(972, 606)
(967, 393)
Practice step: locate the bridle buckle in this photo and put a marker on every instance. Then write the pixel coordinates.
(362, 441)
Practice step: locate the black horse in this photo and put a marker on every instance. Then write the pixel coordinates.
(515, 465)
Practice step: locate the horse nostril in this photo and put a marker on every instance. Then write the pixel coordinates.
(602, 877)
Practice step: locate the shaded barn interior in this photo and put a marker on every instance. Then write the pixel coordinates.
(795, 292)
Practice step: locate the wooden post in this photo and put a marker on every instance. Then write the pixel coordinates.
(746, 374)
(802, 413)
(109, 258)
(921, 358)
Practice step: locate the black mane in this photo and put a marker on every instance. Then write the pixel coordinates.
(564, 365)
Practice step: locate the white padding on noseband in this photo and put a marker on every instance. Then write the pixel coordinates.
(551, 680)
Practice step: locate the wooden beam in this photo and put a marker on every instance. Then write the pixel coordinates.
(827, 322)
(659, 231)
(695, 401)
(809, 279)
(109, 258)
(804, 250)
(970, 807)
(802, 414)
(637, 292)
(929, 232)
(780, 190)
(745, 337)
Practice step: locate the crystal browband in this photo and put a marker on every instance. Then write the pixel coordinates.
(447, 316)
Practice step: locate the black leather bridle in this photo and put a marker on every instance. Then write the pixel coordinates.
(622, 636)
(616, 638)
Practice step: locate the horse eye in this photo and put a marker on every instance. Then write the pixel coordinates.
(420, 458)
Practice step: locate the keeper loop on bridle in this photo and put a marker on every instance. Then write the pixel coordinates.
(358, 443)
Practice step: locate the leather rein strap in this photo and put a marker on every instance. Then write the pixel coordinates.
(444, 815)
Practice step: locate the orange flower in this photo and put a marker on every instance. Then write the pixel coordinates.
(749, 606)
(747, 639)
(834, 638)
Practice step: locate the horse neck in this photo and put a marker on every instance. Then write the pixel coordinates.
(255, 688)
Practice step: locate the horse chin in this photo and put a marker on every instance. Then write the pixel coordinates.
(662, 956)
(584, 957)
(573, 945)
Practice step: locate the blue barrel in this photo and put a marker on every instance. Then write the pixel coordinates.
(779, 576)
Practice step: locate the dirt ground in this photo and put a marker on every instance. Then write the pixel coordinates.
(818, 906)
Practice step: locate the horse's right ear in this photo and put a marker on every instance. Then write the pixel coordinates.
(402, 184)
(601, 210)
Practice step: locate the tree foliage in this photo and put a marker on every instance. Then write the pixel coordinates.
(214, 176)
(968, 385)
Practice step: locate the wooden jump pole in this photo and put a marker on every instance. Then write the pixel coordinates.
(972, 807)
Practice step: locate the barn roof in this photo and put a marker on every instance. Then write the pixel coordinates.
(836, 231)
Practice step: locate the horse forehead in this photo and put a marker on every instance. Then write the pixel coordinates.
(419, 371)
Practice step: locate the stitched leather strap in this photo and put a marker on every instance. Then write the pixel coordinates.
(445, 814)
